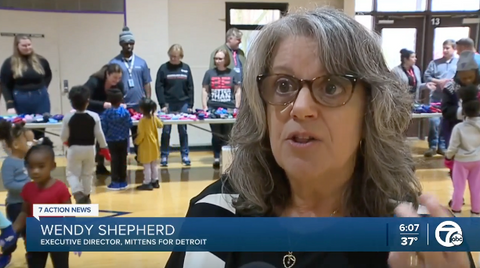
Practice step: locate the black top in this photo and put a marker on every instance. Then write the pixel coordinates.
(212, 202)
(98, 94)
(221, 87)
(174, 84)
(83, 129)
(30, 80)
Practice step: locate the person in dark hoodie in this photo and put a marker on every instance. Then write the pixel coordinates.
(116, 124)
(174, 88)
(467, 74)
(107, 78)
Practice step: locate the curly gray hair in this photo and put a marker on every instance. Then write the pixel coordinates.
(385, 167)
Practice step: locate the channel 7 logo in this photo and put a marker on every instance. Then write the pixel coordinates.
(453, 237)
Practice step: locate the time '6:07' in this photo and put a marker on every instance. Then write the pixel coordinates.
(413, 227)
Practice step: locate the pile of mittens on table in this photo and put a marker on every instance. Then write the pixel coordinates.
(427, 109)
(198, 114)
(39, 118)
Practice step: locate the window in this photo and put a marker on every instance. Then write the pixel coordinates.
(250, 17)
(253, 16)
(399, 6)
(103, 6)
(366, 21)
(463, 5)
(363, 5)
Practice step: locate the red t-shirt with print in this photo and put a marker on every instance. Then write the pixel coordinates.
(58, 193)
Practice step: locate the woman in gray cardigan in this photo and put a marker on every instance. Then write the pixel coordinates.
(409, 73)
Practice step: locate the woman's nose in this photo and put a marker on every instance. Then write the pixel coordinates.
(305, 106)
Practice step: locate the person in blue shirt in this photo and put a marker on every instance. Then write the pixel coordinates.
(116, 123)
(439, 71)
(14, 175)
(136, 73)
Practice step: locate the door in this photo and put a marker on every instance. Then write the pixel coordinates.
(97, 40)
(398, 33)
(442, 28)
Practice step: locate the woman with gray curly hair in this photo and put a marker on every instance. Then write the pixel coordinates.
(319, 134)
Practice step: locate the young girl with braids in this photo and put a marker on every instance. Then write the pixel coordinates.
(148, 144)
(464, 148)
(40, 162)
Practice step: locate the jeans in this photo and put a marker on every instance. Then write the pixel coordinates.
(181, 107)
(32, 102)
(119, 154)
(220, 136)
(435, 135)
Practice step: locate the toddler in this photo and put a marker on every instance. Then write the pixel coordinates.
(81, 129)
(148, 144)
(464, 148)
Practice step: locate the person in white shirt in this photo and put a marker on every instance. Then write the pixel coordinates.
(464, 150)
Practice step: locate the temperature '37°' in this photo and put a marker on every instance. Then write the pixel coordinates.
(409, 233)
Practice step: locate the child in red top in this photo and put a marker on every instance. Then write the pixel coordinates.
(40, 161)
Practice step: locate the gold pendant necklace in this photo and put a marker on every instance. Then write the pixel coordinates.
(289, 259)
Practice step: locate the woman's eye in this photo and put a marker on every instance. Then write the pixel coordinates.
(332, 89)
(283, 86)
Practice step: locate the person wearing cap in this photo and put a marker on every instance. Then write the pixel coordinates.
(136, 73)
(467, 74)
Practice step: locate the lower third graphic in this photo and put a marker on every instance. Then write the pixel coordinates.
(453, 237)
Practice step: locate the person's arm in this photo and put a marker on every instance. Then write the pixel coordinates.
(65, 132)
(129, 120)
(449, 107)
(104, 121)
(8, 178)
(140, 132)
(159, 122)
(160, 87)
(430, 73)
(454, 143)
(190, 88)
(205, 89)
(64, 196)
(99, 136)
(7, 81)
(93, 85)
(147, 79)
(48, 72)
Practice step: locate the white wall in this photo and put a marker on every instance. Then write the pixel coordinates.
(78, 44)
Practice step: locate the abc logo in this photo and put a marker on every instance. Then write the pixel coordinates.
(454, 235)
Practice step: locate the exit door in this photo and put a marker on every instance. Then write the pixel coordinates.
(398, 33)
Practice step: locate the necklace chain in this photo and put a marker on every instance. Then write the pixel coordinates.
(289, 259)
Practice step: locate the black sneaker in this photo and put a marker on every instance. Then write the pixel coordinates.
(102, 170)
(156, 184)
(145, 187)
(216, 163)
(430, 152)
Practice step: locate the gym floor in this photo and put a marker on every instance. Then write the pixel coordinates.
(178, 185)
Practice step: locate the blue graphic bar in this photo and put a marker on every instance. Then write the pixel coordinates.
(253, 234)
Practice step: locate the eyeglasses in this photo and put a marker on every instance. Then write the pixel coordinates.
(329, 90)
